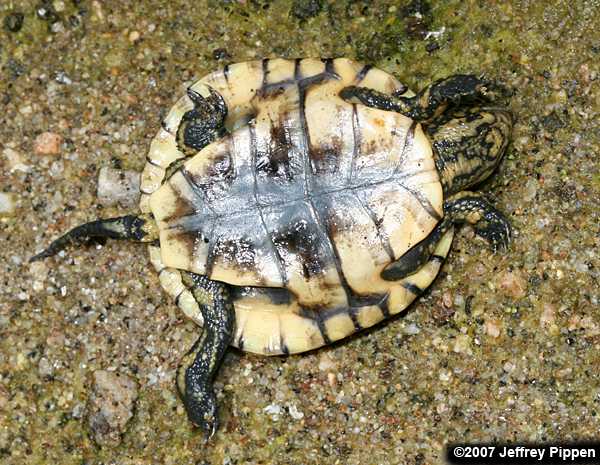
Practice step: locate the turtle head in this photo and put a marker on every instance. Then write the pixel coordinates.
(469, 144)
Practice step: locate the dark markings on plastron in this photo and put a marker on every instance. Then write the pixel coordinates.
(297, 74)
(182, 210)
(408, 145)
(188, 238)
(163, 124)
(299, 239)
(353, 312)
(283, 346)
(354, 299)
(237, 251)
(226, 73)
(423, 202)
(265, 71)
(196, 189)
(362, 74)
(438, 258)
(221, 168)
(240, 341)
(152, 162)
(381, 234)
(356, 137)
(384, 306)
(319, 318)
(178, 297)
(276, 162)
(325, 157)
(413, 288)
(254, 169)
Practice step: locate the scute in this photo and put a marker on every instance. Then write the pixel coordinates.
(306, 192)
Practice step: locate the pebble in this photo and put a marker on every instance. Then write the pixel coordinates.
(7, 204)
(14, 160)
(462, 345)
(47, 143)
(45, 368)
(548, 316)
(111, 406)
(326, 363)
(274, 410)
(13, 22)
(492, 328)
(294, 412)
(411, 329)
(118, 187)
(134, 36)
(513, 284)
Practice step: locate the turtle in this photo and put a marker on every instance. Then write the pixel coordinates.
(290, 203)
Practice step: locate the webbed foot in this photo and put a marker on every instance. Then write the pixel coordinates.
(487, 221)
(202, 124)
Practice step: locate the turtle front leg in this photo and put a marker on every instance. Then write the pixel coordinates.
(202, 362)
(464, 207)
(431, 101)
(203, 124)
(199, 126)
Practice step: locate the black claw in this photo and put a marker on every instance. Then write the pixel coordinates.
(496, 230)
(195, 97)
(202, 411)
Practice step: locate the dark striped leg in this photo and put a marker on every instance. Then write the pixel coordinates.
(416, 257)
(201, 363)
(432, 101)
(464, 207)
(487, 221)
(139, 228)
(202, 124)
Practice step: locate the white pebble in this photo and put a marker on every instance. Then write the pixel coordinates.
(118, 187)
(274, 410)
(294, 412)
(411, 329)
(15, 160)
(7, 204)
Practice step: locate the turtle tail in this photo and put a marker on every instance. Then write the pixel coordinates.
(140, 228)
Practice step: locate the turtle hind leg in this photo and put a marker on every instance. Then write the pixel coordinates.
(488, 222)
(464, 207)
(431, 101)
(202, 362)
(418, 255)
(139, 228)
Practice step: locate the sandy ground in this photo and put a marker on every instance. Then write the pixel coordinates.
(503, 347)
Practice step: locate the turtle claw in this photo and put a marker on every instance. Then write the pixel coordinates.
(495, 229)
(202, 411)
(492, 90)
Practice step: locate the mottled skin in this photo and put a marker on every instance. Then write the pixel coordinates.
(468, 144)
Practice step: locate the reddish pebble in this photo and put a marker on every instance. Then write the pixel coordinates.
(513, 284)
(47, 143)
